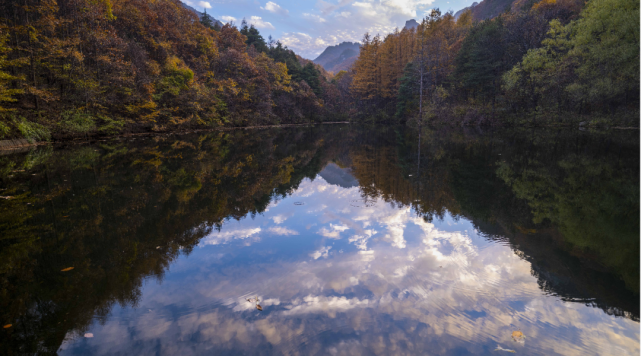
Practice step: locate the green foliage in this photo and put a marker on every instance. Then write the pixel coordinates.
(591, 62)
(32, 131)
(6, 94)
(37, 157)
(77, 122)
(207, 20)
(281, 54)
(312, 76)
(254, 38)
(111, 125)
(407, 99)
(177, 78)
(84, 158)
(605, 43)
(479, 63)
(543, 72)
(4, 130)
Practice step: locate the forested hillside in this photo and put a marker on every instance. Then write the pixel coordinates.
(71, 68)
(78, 68)
(552, 60)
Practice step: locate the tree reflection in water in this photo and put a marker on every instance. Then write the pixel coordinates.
(122, 211)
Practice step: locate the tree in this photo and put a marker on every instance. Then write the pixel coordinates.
(480, 64)
(406, 100)
(312, 77)
(254, 37)
(366, 81)
(605, 43)
(207, 20)
(6, 92)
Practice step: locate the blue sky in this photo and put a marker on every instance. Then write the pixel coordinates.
(308, 27)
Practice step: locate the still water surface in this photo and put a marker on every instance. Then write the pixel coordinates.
(352, 240)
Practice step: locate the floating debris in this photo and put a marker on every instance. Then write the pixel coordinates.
(252, 300)
(499, 348)
(299, 203)
(88, 335)
(7, 198)
(517, 335)
(67, 269)
(7, 326)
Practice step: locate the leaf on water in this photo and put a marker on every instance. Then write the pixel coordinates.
(157, 247)
(499, 348)
(88, 335)
(259, 307)
(518, 335)
(7, 326)
(67, 269)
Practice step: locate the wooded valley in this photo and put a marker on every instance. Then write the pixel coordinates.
(77, 68)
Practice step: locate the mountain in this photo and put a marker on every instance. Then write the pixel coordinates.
(342, 177)
(410, 24)
(461, 11)
(200, 14)
(487, 9)
(339, 57)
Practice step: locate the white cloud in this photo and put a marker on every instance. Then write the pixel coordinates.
(282, 231)
(442, 272)
(281, 218)
(204, 5)
(314, 17)
(333, 232)
(217, 238)
(349, 20)
(275, 8)
(258, 22)
(362, 4)
(229, 19)
(329, 305)
(323, 252)
(311, 47)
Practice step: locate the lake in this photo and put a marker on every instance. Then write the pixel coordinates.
(326, 240)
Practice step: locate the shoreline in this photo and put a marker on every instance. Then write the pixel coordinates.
(12, 146)
(20, 145)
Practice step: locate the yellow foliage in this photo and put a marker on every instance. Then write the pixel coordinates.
(543, 3)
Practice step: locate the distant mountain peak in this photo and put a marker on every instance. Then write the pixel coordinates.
(339, 57)
(410, 24)
(461, 11)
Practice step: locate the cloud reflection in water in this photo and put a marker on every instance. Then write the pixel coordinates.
(343, 278)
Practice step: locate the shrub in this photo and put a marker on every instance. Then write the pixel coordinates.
(32, 131)
(4, 130)
(111, 126)
(77, 122)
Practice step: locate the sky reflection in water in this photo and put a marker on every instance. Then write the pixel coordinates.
(338, 275)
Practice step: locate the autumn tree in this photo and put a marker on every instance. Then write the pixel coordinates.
(7, 93)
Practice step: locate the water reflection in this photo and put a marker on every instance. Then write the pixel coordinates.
(350, 247)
